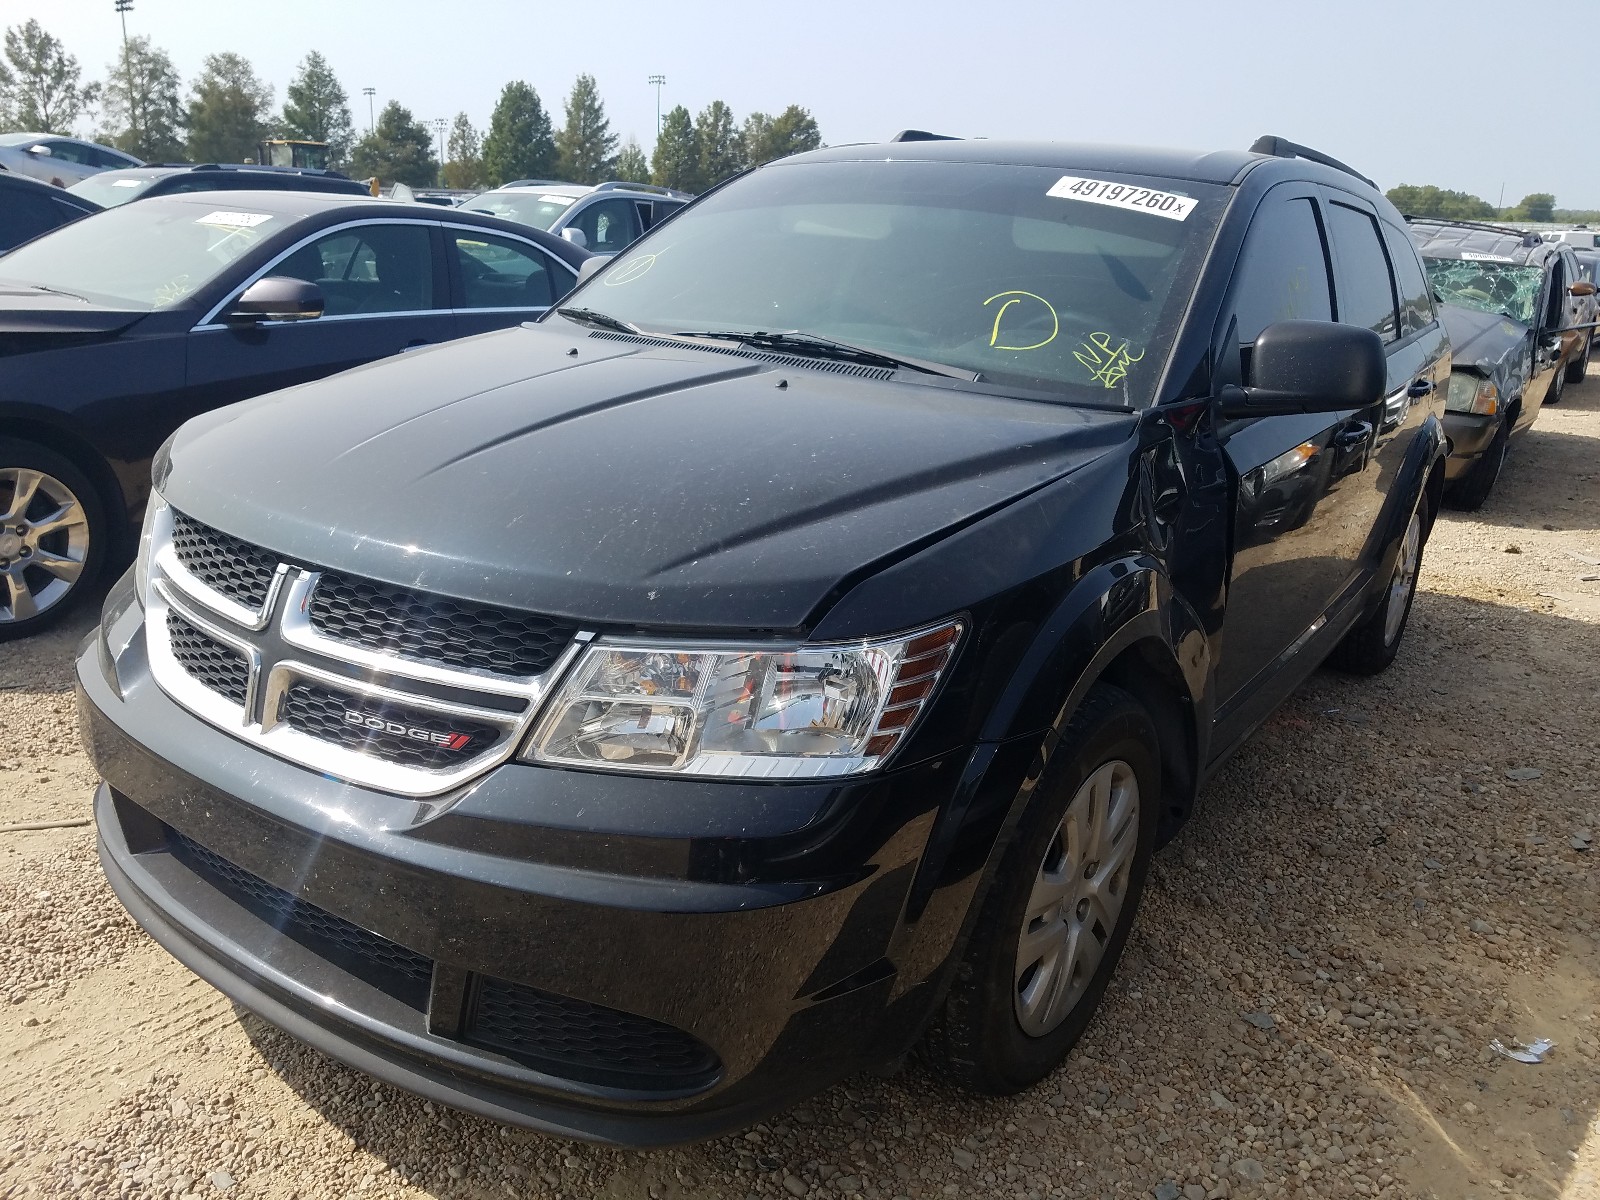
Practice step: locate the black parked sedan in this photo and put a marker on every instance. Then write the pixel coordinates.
(627, 723)
(116, 329)
(29, 208)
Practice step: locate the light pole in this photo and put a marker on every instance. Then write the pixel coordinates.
(658, 82)
(369, 93)
(438, 124)
(124, 7)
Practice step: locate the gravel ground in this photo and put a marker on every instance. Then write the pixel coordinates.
(1392, 874)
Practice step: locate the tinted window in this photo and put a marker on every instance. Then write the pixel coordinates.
(368, 269)
(25, 214)
(73, 153)
(608, 224)
(498, 272)
(1283, 271)
(1416, 298)
(1366, 291)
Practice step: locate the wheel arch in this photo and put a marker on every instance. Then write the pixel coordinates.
(20, 426)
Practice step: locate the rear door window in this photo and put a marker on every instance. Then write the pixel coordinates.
(1366, 288)
(367, 270)
(498, 272)
(1416, 297)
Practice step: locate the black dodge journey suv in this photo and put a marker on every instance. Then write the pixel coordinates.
(792, 649)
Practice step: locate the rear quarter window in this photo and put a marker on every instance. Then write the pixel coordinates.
(1416, 297)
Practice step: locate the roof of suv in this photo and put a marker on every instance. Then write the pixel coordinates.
(1439, 238)
(1217, 166)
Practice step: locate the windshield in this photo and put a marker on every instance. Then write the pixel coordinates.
(1035, 279)
(145, 256)
(539, 209)
(108, 193)
(1490, 287)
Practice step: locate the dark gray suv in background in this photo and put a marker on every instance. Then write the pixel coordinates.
(795, 645)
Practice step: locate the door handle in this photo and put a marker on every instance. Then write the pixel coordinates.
(416, 344)
(1420, 388)
(1353, 435)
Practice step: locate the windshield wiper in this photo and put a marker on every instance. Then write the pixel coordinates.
(794, 342)
(39, 287)
(589, 316)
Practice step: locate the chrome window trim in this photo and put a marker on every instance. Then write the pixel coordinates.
(209, 320)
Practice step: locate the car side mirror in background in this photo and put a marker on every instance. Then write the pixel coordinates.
(1582, 288)
(1309, 366)
(576, 236)
(42, 151)
(592, 265)
(278, 298)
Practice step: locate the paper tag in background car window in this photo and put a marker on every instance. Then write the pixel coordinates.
(1473, 256)
(556, 199)
(233, 220)
(1124, 195)
(126, 182)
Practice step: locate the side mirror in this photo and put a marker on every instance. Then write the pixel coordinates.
(1310, 367)
(278, 298)
(591, 265)
(576, 236)
(1582, 288)
(42, 151)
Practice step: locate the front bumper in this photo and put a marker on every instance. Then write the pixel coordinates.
(697, 954)
(1470, 435)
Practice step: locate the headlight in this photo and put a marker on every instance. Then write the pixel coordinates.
(1470, 393)
(791, 713)
(155, 510)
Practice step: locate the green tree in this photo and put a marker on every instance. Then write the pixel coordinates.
(39, 82)
(1537, 206)
(316, 108)
(585, 147)
(398, 150)
(519, 144)
(717, 145)
(1430, 201)
(631, 163)
(793, 131)
(229, 111)
(676, 160)
(143, 111)
(463, 165)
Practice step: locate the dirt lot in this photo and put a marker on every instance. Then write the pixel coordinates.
(1393, 873)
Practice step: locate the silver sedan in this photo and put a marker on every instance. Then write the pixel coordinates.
(62, 161)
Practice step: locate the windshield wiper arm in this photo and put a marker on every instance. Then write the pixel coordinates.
(589, 316)
(817, 346)
(39, 287)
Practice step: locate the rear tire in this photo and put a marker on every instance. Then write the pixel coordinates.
(1469, 492)
(1061, 906)
(1372, 645)
(1578, 369)
(53, 537)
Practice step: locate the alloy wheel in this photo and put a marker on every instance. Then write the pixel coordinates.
(1404, 579)
(1077, 899)
(44, 543)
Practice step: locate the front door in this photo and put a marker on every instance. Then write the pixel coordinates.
(383, 295)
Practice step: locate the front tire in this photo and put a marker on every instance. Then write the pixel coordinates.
(1469, 492)
(52, 537)
(1062, 904)
(1578, 369)
(1372, 645)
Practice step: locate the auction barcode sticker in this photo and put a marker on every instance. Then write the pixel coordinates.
(1124, 195)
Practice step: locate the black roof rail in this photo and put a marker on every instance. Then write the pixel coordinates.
(655, 189)
(922, 135)
(1524, 236)
(1283, 148)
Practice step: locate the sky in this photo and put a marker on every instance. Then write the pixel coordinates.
(1406, 91)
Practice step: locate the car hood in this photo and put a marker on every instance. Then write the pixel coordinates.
(26, 309)
(616, 483)
(1481, 340)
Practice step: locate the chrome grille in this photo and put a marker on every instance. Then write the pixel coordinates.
(393, 733)
(219, 667)
(397, 620)
(225, 564)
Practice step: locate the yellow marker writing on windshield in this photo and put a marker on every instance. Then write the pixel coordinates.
(1020, 297)
(1108, 365)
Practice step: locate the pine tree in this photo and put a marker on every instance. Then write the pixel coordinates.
(143, 112)
(717, 145)
(398, 150)
(519, 144)
(39, 88)
(229, 111)
(793, 131)
(586, 147)
(316, 108)
(676, 161)
(631, 164)
(463, 167)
